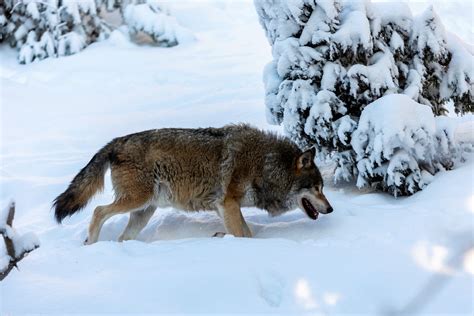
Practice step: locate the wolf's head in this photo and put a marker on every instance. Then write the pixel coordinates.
(307, 188)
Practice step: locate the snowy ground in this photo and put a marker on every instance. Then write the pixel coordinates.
(372, 255)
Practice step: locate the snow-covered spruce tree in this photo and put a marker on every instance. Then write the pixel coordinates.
(332, 58)
(52, 28)
(41, 29)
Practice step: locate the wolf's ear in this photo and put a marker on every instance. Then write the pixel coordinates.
(305, 159)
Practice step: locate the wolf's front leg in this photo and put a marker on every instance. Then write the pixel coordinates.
(234, 222)
(247, 231)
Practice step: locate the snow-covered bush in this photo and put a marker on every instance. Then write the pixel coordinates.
(154, 20)
(331, 58)
(398, 146)
(52, 28)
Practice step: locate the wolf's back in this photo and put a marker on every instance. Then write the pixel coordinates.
(84, 185)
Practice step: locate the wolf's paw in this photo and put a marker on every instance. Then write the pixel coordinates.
(219, 234)
(87, 242)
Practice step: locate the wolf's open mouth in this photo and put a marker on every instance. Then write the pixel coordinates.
(309, 208)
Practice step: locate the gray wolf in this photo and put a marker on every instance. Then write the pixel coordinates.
(216, 169)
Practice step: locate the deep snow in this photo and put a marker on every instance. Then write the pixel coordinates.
(371, 255)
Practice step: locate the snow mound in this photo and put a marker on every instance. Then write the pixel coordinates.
(394, 116)
(398, 145)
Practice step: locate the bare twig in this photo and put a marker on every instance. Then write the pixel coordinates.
(14, 258)
(9, 222)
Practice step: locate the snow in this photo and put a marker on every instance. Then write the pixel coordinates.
(70, 43)
(378, 75)
(428, 32)
(272, 81)
(32, 10)
(396, 42)
(4, 215)
(461, 69)
(355, 28)
(316, 30)
(345, 126)
(371, 255)
(464, 129)
(397, 14)
(332, 72)
(394, 116)
(25, 242)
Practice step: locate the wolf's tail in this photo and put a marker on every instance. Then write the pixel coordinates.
(84, 185)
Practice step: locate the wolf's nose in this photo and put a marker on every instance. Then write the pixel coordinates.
(329, 210)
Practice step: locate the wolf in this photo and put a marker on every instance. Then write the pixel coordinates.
(215, 169)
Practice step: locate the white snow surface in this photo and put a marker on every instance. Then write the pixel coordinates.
(372, 255)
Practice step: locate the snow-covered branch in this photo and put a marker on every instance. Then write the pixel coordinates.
(17, 247)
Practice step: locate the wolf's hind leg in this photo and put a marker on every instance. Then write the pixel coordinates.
(137, 222)
(103, 213)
